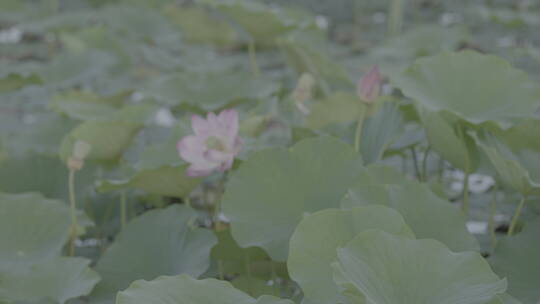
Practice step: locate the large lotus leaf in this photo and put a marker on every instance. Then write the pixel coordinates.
(58, 279)
(390, 269)
(453, 145)
(270, 193)
(86, 105)
(184, 289)
(399, 51)
(379, 131)
(210, 91)
(199, 26)
(32, 228)
(428, 215)
(263, 23)
(160, 242)
(337, 108)
(315, 241)
(110, 136)
(165, 180)
(518, 259)
(515, 154)
(476, 87)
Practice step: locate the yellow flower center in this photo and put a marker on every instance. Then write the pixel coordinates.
(215, 143)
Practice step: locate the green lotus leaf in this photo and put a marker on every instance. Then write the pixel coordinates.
(76, 68)
(48, 175)
(262, 22)
(390, 269)
(515, 154)
(428, 215)
(307, 52)
(58, 279)
(232, 258)
(337, 108)
(32, 229)
(518, 259)
(449, 141)
(380, 131)
(165, 180)
(284, 185)
(159, 242)
(108, 137)
(209, 91)
(13, 82)
(199, 26)
(253, 286)
(315, 241)
(182, 288)
(86, 105)
(478, 88)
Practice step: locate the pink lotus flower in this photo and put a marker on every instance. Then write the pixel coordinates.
(214, 145)
(369, 86)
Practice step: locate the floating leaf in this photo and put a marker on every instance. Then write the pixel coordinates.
(425, 213)
(284, 185)
(476, 87)
(182, 288)
(263, 23)
(210, 91)
(389, 269)
(518, 259)
(199, 26)
(76, 68)
(315, 241)
(160, 242)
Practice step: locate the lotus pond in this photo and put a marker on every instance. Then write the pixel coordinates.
(269, 152)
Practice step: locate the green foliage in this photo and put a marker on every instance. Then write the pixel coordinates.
(315, 241)
(326, 198)
(284, 185)
(415, 271)
(516, 259)
(449, 82)
(178, 289)
(160, 242)
(33, 233)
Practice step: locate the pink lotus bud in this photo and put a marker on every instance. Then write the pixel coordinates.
(369, 86)
(81, 149)
(214, 145)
